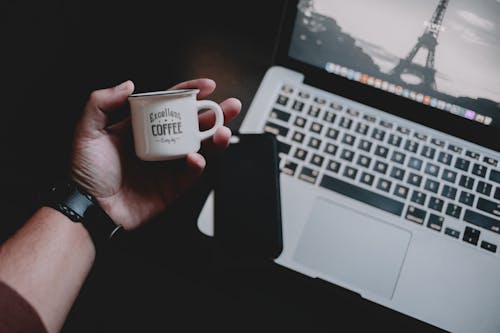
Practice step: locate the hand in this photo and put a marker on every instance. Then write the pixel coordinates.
(104, 162)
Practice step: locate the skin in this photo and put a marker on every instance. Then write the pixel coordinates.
(129, 190)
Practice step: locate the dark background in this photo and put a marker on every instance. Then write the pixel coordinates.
(167, 275)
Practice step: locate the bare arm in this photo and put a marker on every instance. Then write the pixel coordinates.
(46, 262)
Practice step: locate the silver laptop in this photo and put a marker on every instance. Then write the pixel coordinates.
(388, 119)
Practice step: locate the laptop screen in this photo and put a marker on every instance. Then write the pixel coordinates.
(441, 53)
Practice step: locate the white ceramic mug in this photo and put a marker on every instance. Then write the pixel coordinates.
(165, 123)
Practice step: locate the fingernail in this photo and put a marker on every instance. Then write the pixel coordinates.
(123, 85)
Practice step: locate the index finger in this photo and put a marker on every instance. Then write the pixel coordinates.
(206, 86)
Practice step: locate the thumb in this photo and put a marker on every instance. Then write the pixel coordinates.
(100, 103)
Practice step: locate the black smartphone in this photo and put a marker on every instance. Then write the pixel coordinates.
(247, 205)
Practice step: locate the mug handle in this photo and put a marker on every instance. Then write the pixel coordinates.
(219, 117)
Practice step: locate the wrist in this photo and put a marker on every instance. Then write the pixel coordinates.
(81, 208)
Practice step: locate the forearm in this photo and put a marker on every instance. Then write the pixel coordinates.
(47, 261)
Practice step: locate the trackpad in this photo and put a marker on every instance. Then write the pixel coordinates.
(353, 249)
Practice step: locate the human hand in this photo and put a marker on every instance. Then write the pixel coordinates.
(104, 163)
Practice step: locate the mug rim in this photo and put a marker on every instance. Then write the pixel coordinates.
(177, 92)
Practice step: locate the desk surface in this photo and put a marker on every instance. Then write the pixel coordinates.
(166, 276)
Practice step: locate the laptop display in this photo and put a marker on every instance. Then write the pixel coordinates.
(443, 54)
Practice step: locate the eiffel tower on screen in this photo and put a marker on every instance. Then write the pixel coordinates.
(427, 41)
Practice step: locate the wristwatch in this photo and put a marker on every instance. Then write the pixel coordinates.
(80, 207)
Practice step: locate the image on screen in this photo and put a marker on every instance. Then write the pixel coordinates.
(442, 53)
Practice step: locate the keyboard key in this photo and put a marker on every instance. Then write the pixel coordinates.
(449, 192)
(300, 122)
(411, 146)
(384, 185)
(385, 124)
(431, 185)
(347, 155)
(490, 161)
(300, 153)
(428, 152)
(479, 170)
(333, 166)
(449, 176)
(352, 112)
(453, 210)
(314, 111)
(462, 164)
(454, 148)
(309, 175)
(452, 232)
(466, 198)
(298, 137)
(336, 106)
(331, 149)
(369, 118)
(436, 204)
(489, 206)
(345, 123)
(435, 222)
(319, 100)
(367, 178)
(332, 133)
(283, 147)
(282, 100)
(497, 193)
(437, 142)
(401, 191)
(289, 168)
(431, 169)
(365, 145)
(276, 129)
(445, 158)
(418, 197)
(415, 163)
(403, 130)
(380, 167)
(298, 105)
(364, 161)
(495, 176)
(316, 127)
(381, 151)
(483, 188)
(304, 94)
(488, 246)
(398, 157)
(348, 139)
(362, 128)
(472, 154)
(395, 140)
(471, 235)
(350, 172)
(482, 221)
(466, 181)
(397, 173)
(281, 115)
(314, 143)
(414, 179)
(415, 214)
(420, 136)
(317, 160)
(374, 199)
(329, 117)
(378, 134)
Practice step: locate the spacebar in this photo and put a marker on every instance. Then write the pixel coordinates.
(358, 193)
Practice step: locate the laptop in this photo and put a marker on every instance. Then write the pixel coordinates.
(388, 119)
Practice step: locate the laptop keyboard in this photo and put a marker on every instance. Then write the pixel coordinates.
(438, 185)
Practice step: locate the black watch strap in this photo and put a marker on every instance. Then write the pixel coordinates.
(81, 207)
